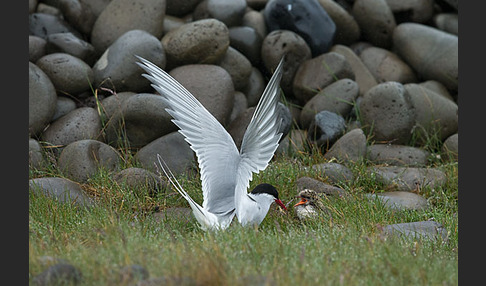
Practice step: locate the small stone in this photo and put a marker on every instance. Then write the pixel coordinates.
(347, 29)
(306, 18)
(228, 12)
(64, 105)
(401, 200)
(387, 66)
(238, 66)
(36, 157)
(255, 87)
(61, 189)
(376, 21)
(412, 11)
(417, 230)
(42, 25)
(450, 148)
(70, 44)
(42, 100)
(318, 187)
(175, 213)
(82, 14)
(334, 173)
(180, 8)
(447, 22)
(349, 147)
(248, 42)
(139, 179)
(408, 179)
(326, 128)
(398, 155)
(255, 20)
(37, 48)
(239, 106)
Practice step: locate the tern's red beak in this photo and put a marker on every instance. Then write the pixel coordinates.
(302, 202)
(279, 202)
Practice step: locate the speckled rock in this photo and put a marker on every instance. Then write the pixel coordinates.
(363, 77)
(450, 148)
(118, 62)
(412, 11)
(114, 103)
(347, 29)
(69, 75)
(141, 119)
(398, 155)
(211, 85)
(417, 230)
(70, 44)
(81, 123)
(121, 16)
(248, 42)
(238, 66)
(37, 48)
(337, 97)
(326, 128)
(42, 25)
(432, 53)
(283, 42)
(82, 159)
(318, 187)
(61, 189)
(173, 149)
(319, 72)
(306, 18)
(351, 147)
(401, 200)
(397, 178)
(333, 172)
(376, 21)
(200, 42)
(388, 112)
(42, 100)
(435, 114)
(387, 66)
(141, 181)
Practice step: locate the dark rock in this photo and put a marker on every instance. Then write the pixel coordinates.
(82, 14)
(326, 128)
(69, 44)
(36, 157)
(334, 173)
(412, 11)
(387, 66)
(248, 42)
(254, 88)
(82, 159)
(450, 148)
(349, 147)
(121, 16)
(139, 179)
(228, 12)
(417, 230)
(61, 189)
(58, 274)
(238, 66)
(347, 29)
(42, 25)
(42, 100)
(37, 48)
(64, 105)
(388, 112)
(117, 67)
(397, 155)
(400, 200)
(318, 187)
(306, 18)
(180, 8)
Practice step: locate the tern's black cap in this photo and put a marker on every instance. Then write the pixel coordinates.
(265, 188)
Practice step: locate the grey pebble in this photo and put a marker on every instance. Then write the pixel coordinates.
(238, 66)
(82, 159)
(450, 148)
(180, 8)
(351, 147)
(347, 29)
(80, 123)
(117, 67)
(240, 104)
(42, 25)
(69, 75)
(413, 43)
(334, 173)
(70, 44)
(61, 189)
(229, 12)
(318, 187)
(398, 155)
(388, 111)
(326, 128)
(255, 20)
(387, 66)
(42, 100)
(248, 42)
(121, 16)
(37, 48)
(140, 180)
(398, 178)
(173, 149)
(36, 156)
(399, 200)
(64, 105)
(254, 88)
(82, 14)
(447, 22)
(417, 230)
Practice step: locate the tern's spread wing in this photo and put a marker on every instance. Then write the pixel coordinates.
(216, 151)
(261, 137)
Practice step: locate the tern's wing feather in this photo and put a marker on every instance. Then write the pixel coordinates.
(215, 149)
(261, 137)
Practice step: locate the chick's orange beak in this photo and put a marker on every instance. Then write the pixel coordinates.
(302, 202)
(279, 202)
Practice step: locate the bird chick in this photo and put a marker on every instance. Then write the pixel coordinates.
(310, 204)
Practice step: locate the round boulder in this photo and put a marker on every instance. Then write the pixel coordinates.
(42, 100)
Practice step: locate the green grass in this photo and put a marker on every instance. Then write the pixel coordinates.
(348, 249)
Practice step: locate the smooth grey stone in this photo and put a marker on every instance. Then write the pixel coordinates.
(318, 187)
(117, 66)
(121, 16)
(64, 105)
(400, 200)
(338, 97)
(447, 22)
(82, 159)
(180, 8)
(412, 11)
(61, 189)
(229, 12)
(349, 147)
(437, 87)
(398, 155)
(317, 73)
(432, 53)
(240, 104)
(387, 66)
(114, 103)
(376, 21)
(69, 75)
(81, 123)
(42, 100)
(283, 42)
(407, 179)
(142, 118)
(238, 66)
(335, 173)
(256, 20)
(347, 29)
(172, 23)
(37, 48)
(255, 87)
(450, 148)
(82, 14)
(199, 42)
(326, 128)
(388, 112)
(140, 180)
(211, 85)
(42, 25)
(173, 149)
(417, 230)
(436, 116)
(295, 142)
(36, 156)
(70, 44)
(248, 42)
